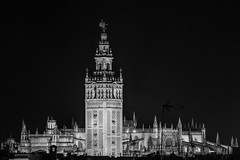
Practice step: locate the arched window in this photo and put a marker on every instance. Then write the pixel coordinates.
(169, 142)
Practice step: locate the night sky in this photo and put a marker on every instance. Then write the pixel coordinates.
(185, 53)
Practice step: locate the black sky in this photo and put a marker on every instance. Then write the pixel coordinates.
(185, 53)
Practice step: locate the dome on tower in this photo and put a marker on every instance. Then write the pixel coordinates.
(102, 24)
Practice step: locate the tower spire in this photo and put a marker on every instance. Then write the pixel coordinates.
(155, 121)
(105, 90)
(217, 139)
(134, 120)
(160, 124)
(134, 117)
(155, 124)
(24, 128)
(232, 142)
(103, 47)
(236, 142)
(179, 123)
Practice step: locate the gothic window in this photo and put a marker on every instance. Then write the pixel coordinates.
(150, 143)
(169, 142)
(113, 117)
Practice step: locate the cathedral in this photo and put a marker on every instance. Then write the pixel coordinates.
(107, 132)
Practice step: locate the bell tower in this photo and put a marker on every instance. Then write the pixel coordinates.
(103, 103)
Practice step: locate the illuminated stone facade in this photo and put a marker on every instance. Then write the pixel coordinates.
(106, 134)
(103, 103)
(66, 140)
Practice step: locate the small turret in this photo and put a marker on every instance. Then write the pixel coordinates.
(217, 139)
(192, 124)
(143, 127)
(24, 133)
(51, 125)
(134, 120)
(196, 126)
(199, 126)
(36, 131)
(203, 133)
(155, 125)
(179, 127)
(236, 142)
(232, 142)
(160, 125)
(24, 128)
(179, 123)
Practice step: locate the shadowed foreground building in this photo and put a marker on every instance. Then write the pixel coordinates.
(106, 133)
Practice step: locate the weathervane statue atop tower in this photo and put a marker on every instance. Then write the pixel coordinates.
(103, 25)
